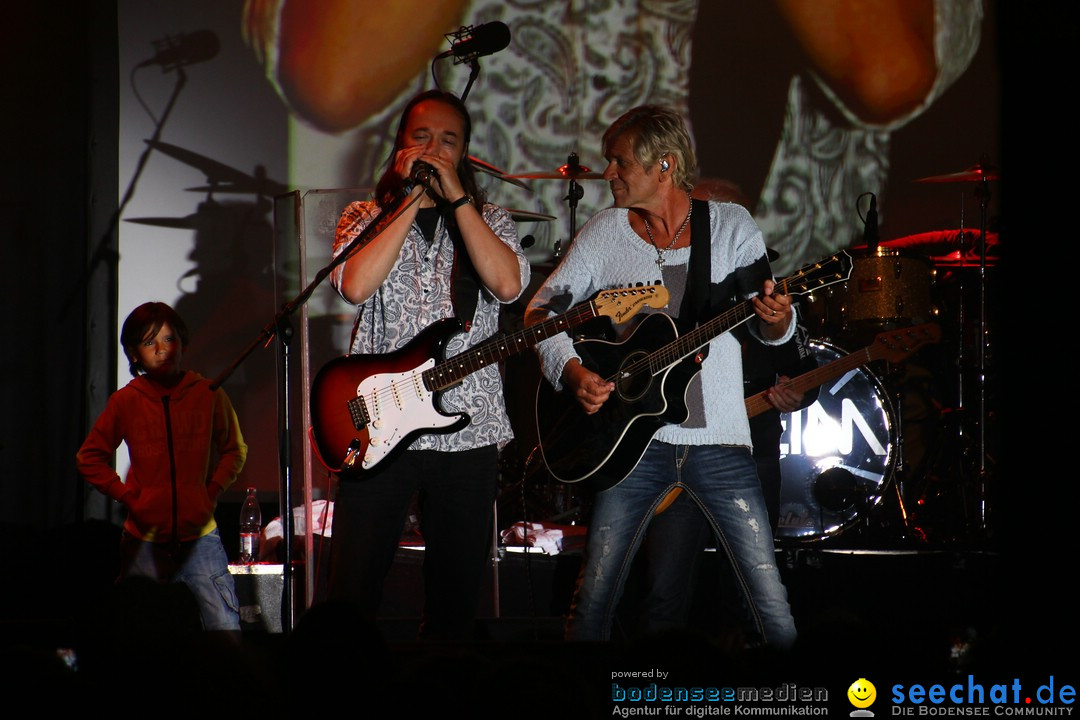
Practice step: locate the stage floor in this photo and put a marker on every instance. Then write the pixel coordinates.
(893, 613)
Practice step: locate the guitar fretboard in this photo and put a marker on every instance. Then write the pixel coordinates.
(757, 404)
(894, 345)
(810, 278)
(453, 370)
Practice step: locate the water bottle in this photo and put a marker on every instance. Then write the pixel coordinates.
(250, 529)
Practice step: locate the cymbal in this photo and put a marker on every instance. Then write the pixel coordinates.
(958, 259)
(482, 166)
(941, 242)
(975, 173)
(566, 172)
(489, 169)
(526, 215)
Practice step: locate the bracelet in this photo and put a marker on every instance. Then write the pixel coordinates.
(463, 200)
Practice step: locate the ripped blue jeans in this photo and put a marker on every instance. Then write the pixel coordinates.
(723, 480)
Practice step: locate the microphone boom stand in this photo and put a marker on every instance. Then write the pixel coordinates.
(282, 329)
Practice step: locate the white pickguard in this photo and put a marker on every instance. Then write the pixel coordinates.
(398, 404)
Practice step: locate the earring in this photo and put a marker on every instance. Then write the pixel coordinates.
(664, 165)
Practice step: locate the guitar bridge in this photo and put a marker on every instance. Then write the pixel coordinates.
(359, 413)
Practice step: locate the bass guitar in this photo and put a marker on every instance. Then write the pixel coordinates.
(892, 345)
(366, 408)
(651, 369)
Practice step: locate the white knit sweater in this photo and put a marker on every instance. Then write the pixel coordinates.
(607, 253)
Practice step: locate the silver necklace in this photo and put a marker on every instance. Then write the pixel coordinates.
(674, 238)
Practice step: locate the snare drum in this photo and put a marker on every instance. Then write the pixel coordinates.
(887, 288)
(837, 456)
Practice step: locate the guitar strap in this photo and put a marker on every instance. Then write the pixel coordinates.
(464, 282)
(695, 306)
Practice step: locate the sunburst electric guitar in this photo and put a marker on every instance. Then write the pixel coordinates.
(651, 369)
(366, 408)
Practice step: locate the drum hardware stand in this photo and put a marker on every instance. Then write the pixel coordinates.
(982, 191)
(889, 520)
(496, 558)
(901, 466)
(969, 468)
(571, 171)
(950, 469)
(899, 471)
(574, 193)
(942, 511)
(957, 430)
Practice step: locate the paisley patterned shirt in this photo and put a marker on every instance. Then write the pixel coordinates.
(417, 293)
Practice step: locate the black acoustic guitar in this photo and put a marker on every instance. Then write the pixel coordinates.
(651, 369)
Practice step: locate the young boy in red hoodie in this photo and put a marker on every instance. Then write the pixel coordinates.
(186, 448)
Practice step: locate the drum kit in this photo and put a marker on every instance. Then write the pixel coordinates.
(899, 451)
(890, 451)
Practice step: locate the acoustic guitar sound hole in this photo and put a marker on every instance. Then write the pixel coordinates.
(631, 384)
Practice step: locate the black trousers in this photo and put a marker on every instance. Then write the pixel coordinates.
(456, 492)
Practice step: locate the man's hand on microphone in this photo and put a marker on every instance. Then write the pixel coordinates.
(444, 180)
(404, 163)
(437, 174)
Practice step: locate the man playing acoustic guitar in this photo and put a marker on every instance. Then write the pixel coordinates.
(711, 257)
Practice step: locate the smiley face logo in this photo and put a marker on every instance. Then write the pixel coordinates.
(862, 693)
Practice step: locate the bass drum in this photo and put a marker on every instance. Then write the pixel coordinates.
(837, 456)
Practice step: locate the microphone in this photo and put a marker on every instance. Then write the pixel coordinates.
(870, 228)
(421, 173)
(475, 42)
(181, 50)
